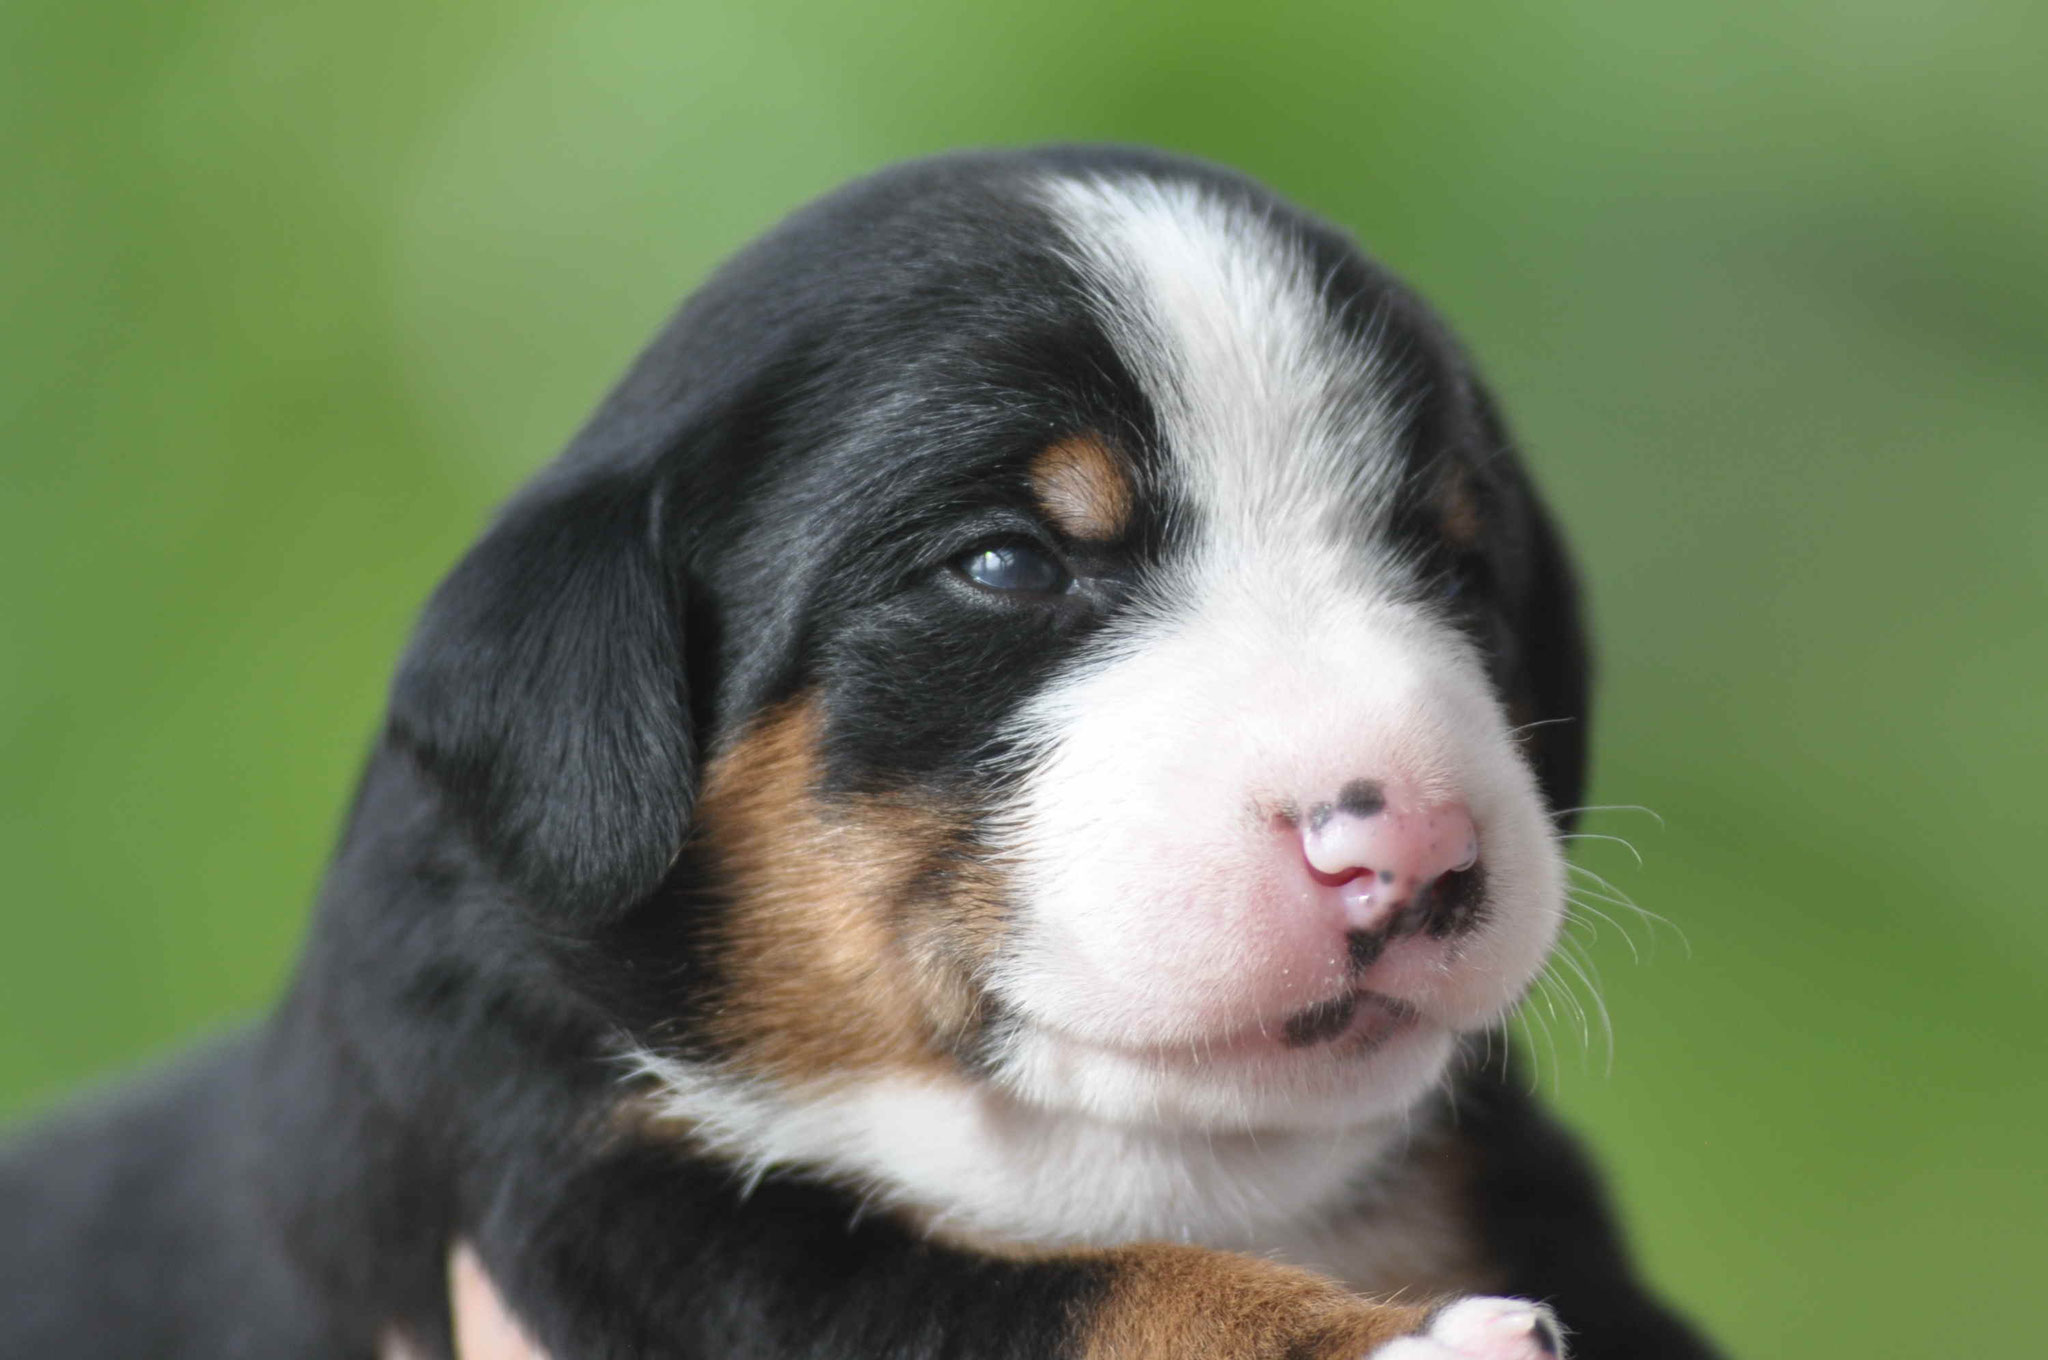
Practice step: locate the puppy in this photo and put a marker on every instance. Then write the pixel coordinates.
(993, 803)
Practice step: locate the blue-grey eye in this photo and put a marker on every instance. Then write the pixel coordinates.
(1015, 566)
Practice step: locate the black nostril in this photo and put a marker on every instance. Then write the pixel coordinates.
(1362, 798)
(1359, 798)
(1454, 903)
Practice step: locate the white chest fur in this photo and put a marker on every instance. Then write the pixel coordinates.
(973, 1164)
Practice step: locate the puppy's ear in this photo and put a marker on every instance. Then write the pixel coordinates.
(544, 695)
(1552, 666)
(1556, 665)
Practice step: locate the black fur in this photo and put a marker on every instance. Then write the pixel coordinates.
(1546, 1221)
(765, 505)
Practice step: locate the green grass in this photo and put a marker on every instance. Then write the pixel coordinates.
(294, 293)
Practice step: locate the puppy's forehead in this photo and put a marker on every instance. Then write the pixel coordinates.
(1165, 357)
(1273, 401)
(1196, 327)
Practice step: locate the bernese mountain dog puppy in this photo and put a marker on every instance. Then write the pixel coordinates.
(992, 804)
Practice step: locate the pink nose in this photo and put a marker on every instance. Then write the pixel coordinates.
(1379, 848)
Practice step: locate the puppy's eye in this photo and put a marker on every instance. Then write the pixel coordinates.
(1015, 567)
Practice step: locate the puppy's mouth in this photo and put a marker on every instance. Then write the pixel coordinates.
(1363, 1019)
(1354, 1023)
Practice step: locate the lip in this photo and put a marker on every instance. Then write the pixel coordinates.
(1351, 1023)
(1360, 1018)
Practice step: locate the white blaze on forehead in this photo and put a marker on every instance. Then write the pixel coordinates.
(1274, 419)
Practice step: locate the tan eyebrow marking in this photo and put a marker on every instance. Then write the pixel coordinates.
(1084, 488)
(1459, 511)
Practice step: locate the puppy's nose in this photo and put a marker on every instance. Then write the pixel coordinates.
(1382, 847)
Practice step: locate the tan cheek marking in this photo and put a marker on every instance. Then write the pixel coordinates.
(856, 928)
(1084, 489)
(1169, 1302)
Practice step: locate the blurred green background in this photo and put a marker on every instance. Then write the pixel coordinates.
(294, 293)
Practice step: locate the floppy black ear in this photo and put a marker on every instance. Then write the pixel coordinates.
(544, 695)
(1552, 666)
(1556, 666)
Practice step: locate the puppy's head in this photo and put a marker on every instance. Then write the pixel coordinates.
(1059, 620)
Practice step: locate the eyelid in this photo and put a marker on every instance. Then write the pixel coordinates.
(997, 528)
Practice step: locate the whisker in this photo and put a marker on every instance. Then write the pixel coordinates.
(1508, 1023)
(1550, 1042)
(1589, 975)
(1599, 836)
(1621, 899)
(1572, 1003)
(1557, 996)
(1519, 1031)
(1620, 896)
(1579, 892)
(1651, 813)
(1547, 986)
(1582, 904)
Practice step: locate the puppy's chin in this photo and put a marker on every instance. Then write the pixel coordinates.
(1364, 1077)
